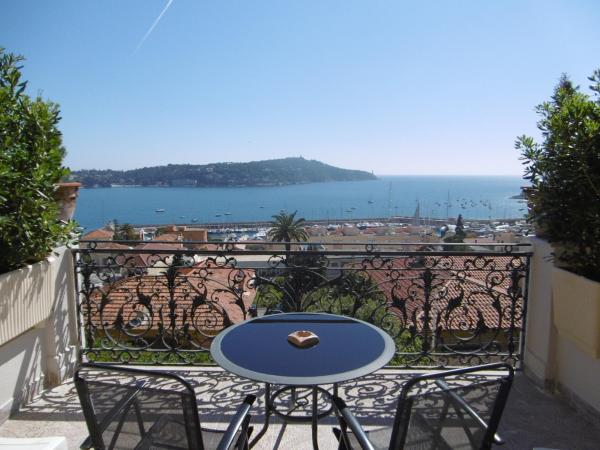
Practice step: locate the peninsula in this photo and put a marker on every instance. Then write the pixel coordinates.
(274, 172)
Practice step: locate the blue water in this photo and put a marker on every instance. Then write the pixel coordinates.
(475, 197)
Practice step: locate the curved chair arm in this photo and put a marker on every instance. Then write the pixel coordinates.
(240, 420)
(351, 422)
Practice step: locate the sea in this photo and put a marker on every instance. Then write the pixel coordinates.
(475, 197)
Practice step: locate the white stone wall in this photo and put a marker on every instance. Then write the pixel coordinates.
(39, 331)
(578, 376)
(540, 334)
(20, 371)
(550, 358)
(26, 298)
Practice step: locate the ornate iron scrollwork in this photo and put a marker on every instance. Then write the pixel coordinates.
(442, 308)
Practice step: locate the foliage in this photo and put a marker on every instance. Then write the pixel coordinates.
(564, 171)
(459, 232)
(458, 237)
(460, 226)
(291, 289)
(31, 155)
(99, 353)
(124, 232)
(353, 294)
(273, 172)
(286, 228)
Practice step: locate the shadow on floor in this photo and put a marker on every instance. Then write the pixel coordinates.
(532, 417)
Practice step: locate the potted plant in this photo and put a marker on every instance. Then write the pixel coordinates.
(564, 203)
(31, 155)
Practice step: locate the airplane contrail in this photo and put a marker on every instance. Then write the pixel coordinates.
(162, 13)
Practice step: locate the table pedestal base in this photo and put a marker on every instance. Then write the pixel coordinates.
(295, 402)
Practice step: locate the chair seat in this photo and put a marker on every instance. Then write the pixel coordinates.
(454, 409)
(169, 433)
(420, 437)
(211, 437)
(137, 409)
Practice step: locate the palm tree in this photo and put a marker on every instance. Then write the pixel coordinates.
(124, 232)
(286, 228)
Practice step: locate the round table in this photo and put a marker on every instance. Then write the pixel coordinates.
(259, 350)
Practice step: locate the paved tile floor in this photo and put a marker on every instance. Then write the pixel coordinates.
(532, 419)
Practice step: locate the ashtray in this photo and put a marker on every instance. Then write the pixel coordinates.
(303, 339)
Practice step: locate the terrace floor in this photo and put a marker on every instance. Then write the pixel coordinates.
(532, 418)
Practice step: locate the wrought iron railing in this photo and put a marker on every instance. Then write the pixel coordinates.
(162, 303)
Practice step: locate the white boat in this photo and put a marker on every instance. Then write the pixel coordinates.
(159, 210)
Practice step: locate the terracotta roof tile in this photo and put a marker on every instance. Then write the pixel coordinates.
(110, 246)
(204, 298)
(195, 234)
(460, 299)
(100, 234)
(168, 237)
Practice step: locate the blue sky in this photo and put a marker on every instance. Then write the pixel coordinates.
(392, 87)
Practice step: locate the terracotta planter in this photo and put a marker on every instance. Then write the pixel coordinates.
(576, 306)
(66, 196)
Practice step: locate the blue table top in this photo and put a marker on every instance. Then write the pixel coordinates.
(258, 349)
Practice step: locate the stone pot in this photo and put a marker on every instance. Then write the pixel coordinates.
(66, 196)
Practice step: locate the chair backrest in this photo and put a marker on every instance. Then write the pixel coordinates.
(129, 408)
(453, 409)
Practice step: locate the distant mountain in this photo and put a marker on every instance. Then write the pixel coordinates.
(273, 172)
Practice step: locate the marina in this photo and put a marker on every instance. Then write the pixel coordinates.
(392, 228)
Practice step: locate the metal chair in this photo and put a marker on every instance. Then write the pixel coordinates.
(454, 409)
(143, 409)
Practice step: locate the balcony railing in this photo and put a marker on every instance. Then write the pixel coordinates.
(163, 302)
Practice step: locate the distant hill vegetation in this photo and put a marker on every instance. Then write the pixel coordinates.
(274, 172)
